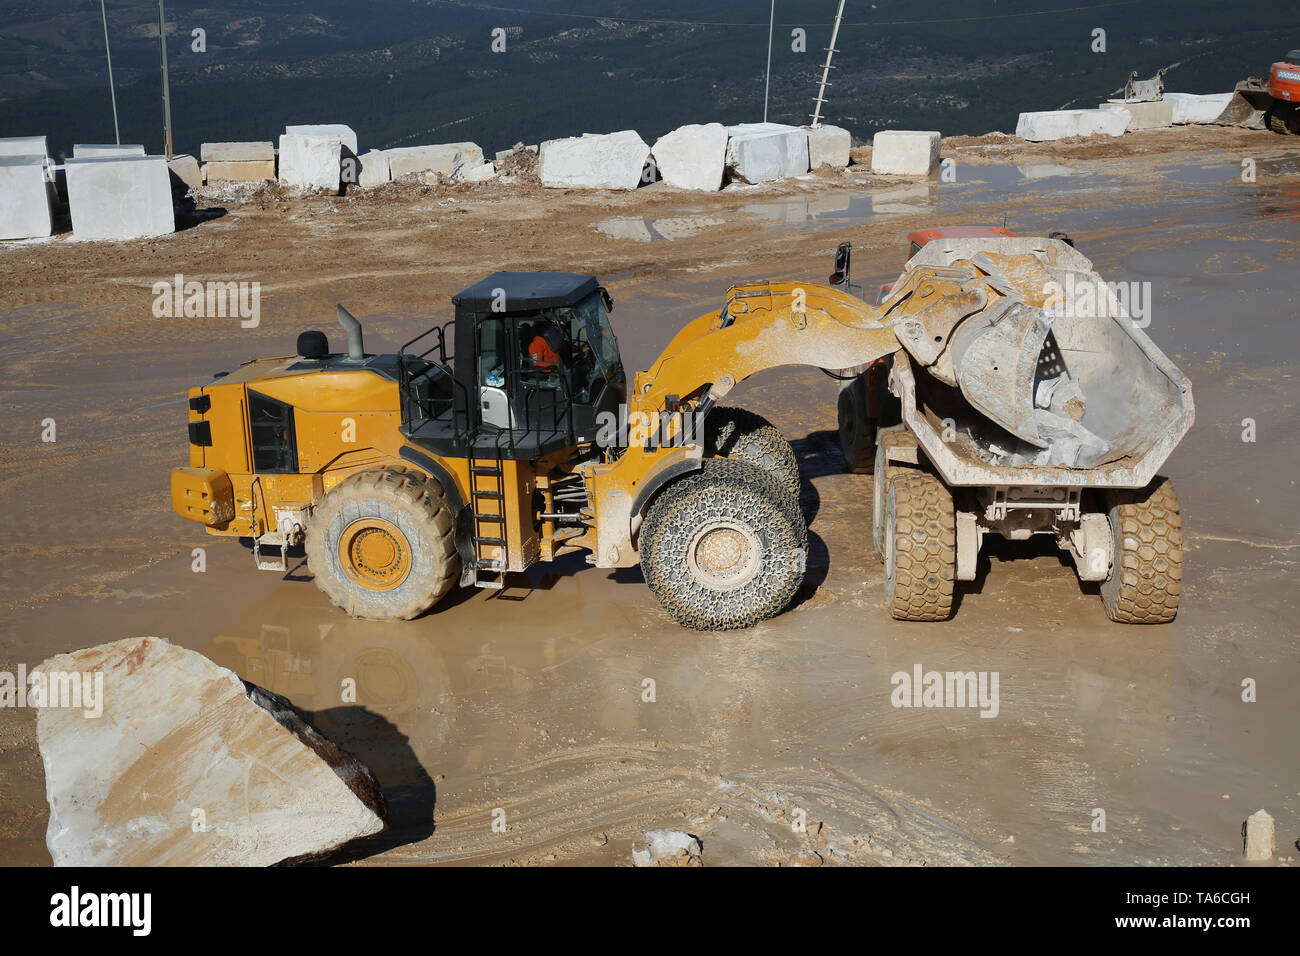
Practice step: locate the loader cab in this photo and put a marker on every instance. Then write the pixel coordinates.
(536, 362)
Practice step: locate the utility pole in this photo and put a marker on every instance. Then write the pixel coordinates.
(767, 85)
(166, 90)
(117, 136)
(826, 70)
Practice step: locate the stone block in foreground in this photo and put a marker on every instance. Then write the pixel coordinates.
(901, 152)
(693, 157)
(189, 766)
(762, 152)
(121, 197)
(604, 161)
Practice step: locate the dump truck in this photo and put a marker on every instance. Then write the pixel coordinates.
(511, 434)
(1053, 423)
(1271, 102)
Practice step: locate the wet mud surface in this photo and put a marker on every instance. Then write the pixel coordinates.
(531, 700)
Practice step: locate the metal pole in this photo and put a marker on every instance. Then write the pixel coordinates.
(117, 136)
(767, 85)
(166, 90)
(826, 70)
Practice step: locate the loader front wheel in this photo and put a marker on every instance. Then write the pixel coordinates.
(1146, 579)
(720, 549)
(381, 545)
(920, 547)
(857, 429)
(747, 436)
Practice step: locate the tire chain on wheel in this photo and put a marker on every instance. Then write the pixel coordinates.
(723, 488)
(739, 433)
(1147, 577)
(925, 548)
(435, 568)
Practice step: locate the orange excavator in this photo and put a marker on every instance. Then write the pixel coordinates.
(1272, 103)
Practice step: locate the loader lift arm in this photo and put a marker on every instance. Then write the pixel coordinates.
(761, 326)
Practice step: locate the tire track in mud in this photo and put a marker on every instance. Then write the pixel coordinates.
(617, 791)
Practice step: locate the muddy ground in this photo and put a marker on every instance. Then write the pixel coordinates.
(531, 700)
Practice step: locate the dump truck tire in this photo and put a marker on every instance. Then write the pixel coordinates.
(741, 434)
(884, 468)
(1146, 579)
(723, 548)
(381, 545)
(857, 429)
(920, 547)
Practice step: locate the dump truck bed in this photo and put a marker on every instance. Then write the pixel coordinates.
(1077, 395)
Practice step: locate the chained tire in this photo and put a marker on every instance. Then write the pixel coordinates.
(857, 428)
(382, 546)
(723, 548)
(741, 434)
(1146, 578)
(884, 469)
(920, 547)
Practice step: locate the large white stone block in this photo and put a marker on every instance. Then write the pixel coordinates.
(1198, 107)
(312, 158)
(23, 146)
(828, 146)
(901, 152)
(693, 157)
(1047, 125)
(762, 152)
(100, 150)
(259, 152)
(166, 739)
(120, 197)
(1158, 114)
(594, 161)
(344, 134)
(443, 159)
(25, 211)
(374, 168)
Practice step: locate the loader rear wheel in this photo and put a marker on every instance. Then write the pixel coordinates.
(857, 429)
(739, 433)
(1146, 579)
(381, 545)
(723, 548)
(920, 548)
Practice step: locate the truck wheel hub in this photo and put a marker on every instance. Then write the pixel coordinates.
(724, 555)
(375, 554)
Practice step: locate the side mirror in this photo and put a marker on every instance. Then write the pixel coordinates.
(607, 298)
(843, 261)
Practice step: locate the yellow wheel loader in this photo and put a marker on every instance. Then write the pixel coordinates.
(511, 435)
